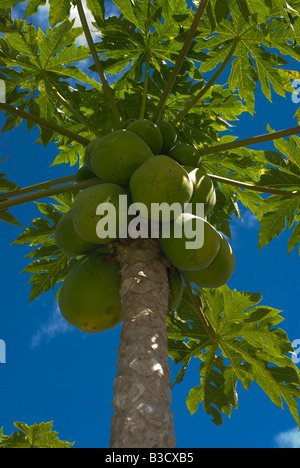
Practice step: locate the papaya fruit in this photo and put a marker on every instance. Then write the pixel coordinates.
(160, 180)
(149, 132)
(85, 217)
(177, 247)
(185, 154)
(118, 155)
(175, 287)
(203, 190)
(84, 173)
(218, 272)
(169, 135)
(89, 298)
(68, 241)
(89, 151)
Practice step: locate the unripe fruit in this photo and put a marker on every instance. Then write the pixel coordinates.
(84, 173)
(160, 180)
(185, 154)
(68, 241)
(169, 135)
(118, 155)
(85, 217)
(89, 151)
(218, 273)
(89, 298)
(182, 254)
(149, 132)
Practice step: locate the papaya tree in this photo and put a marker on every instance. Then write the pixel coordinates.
(142, 108)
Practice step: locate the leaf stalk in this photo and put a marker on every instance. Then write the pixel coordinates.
(98, 64)
(44, 123)
(251, 141)
(5, 205)
(180, 60)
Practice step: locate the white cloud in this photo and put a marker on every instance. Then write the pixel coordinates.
(288, 439)
(56, 325)
(249, 220)
(81, 40)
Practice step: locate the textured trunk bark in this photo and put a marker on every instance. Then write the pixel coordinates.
(142, 387)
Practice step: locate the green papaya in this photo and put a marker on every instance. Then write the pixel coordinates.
(89, 298)
(89, 151)
(169, 135)
(160, 180)
(185, 154)
(68, 241)
(149, 132)
(203, 190)
(118, 155)
(84, 173)
(218, 272)
(87, 217)
(193, 243)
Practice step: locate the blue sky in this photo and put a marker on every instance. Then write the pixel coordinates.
(55, 372)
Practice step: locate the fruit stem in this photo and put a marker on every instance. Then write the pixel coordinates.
(255, 188)
(207, 87)
(180, 60)
(200, 312)
(37, 187)
(44, 123)
(251, 141)
(48, 193)
(146, 84)
(98, 64)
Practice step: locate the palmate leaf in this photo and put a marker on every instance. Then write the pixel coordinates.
(30, 59)
(50, 265)
(38, 435)
(278, 214)
(248, 347)
(253, 59)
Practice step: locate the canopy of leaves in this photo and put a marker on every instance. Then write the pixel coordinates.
(239, 47)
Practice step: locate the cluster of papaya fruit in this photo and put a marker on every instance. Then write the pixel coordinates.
(147, 163)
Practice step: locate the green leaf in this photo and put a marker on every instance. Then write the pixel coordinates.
(38, 435)
(248, 347)
(295, 237)
(37, 234)
(278, 214)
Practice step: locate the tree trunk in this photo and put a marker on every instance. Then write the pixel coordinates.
(142, 387)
